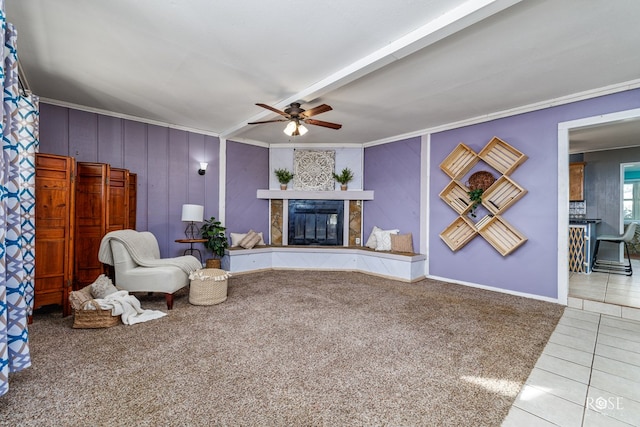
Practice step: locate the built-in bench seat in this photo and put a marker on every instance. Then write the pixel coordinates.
(408, 267)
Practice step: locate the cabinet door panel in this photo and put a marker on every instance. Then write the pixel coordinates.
(576, 182)
(55, 195)
(118, 206)
(92, 193)
(133, 197)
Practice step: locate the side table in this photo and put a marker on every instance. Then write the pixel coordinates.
(191, 250)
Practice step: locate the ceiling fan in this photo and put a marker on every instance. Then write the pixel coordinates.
(296, 116)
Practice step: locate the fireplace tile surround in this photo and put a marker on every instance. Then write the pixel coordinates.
(279, 211)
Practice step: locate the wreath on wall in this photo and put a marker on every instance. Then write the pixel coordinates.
(477, 185)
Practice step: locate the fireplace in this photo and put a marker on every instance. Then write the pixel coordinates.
(316, 222)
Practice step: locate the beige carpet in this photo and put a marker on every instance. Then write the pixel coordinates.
(290, 349)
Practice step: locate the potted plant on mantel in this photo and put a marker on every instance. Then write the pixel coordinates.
(284, 176)
(217, 242)
(344, 178)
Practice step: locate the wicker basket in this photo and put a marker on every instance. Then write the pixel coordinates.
(480, 180)
(213, 263)
(208, 286)
(83, 318)
(98, 318)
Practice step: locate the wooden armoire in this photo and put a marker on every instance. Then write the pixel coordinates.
(77, 203)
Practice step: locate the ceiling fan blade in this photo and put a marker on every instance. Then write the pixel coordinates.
(275, 110)
(268, 121)
(321, 123)
(316, 110)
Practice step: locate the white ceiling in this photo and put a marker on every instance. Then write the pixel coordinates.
(388, 68)
(608, 136)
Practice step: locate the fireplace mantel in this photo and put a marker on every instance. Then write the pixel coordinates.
(315, 195)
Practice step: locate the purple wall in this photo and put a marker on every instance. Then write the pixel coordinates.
(247, 171)
(533, 267)
(166, 161)
(392, 171)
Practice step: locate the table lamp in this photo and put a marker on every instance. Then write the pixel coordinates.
(192, 214)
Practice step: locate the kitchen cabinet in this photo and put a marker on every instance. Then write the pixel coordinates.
(576, 181)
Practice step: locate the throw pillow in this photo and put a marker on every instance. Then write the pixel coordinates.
(383, 239)
(236, 238)
(371, 241)
(79, 298)
(402, 242)
(102, 287)
(251, 239)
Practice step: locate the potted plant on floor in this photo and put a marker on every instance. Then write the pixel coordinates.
(284, 176)
(344, 178)
(217, 242)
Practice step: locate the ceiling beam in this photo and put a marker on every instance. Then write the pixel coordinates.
(455, 20)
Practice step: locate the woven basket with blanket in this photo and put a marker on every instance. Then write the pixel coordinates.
(87, 313)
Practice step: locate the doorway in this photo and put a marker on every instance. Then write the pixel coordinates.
(630, 212)
(565, 132)
(572, 139)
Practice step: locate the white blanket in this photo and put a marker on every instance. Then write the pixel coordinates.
(128, 307)
(143, 248)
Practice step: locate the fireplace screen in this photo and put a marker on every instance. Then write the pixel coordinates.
(316, 222)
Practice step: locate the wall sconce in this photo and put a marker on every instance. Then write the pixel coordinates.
(203, 168)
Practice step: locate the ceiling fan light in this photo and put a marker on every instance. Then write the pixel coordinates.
(302, 130)
(290, 129)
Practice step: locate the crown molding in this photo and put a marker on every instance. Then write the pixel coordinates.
(568, 99)
(125, 116)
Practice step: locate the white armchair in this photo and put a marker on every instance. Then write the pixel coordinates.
(138, 267)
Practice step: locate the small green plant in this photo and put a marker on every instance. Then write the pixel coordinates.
(213, 231)
(345, 176)
(284, 176)
(476, 198)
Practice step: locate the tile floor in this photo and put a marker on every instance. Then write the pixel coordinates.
(589, 371)
(606, 289)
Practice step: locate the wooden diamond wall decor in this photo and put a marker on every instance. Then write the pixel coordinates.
(496, 199)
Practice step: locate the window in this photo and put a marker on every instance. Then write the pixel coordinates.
(631, 200)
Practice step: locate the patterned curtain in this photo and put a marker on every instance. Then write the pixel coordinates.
(19, 129)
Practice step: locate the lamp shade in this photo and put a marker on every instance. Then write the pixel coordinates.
(193, 213)
(290, 129)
